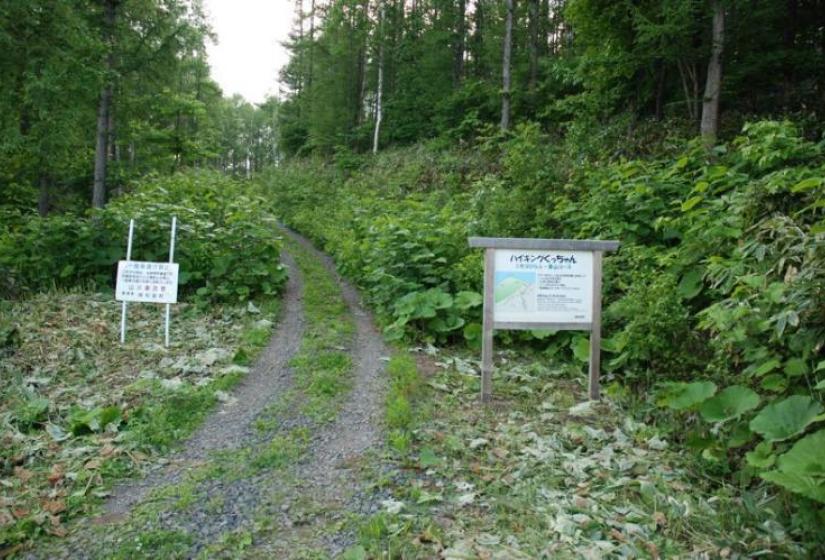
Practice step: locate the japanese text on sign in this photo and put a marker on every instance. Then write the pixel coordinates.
(543, 286)
(148, 282)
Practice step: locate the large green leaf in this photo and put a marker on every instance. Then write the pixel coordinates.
(467, 300)
(762, 456)
(681, 396)
(731, 402)
(802, 469)
(691, 284)
(581, 348)
(786, 418)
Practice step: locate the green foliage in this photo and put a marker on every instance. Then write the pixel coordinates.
(715, 294)
(802, 469)
(684, 396)
(94, 420)
(732, 402)
(784, 419)
(215, 218)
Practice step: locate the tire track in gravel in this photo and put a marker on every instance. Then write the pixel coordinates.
(329, 474)
(230, 426)
(326, 475)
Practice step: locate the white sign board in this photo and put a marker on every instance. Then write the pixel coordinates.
(536, 286)
(149, 282)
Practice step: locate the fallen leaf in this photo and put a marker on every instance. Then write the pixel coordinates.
(54, 506)
(56, 474)
(616, 535)
(6, 518)
(478, 442)
(93, 464)
(23, 474)
(108, 450)
(20, 512)
(652, 549)
(660, 519)
(59, 531)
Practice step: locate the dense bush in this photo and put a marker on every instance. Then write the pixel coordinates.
(227, 246)
(716, 295)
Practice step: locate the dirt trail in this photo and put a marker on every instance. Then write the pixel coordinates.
(216, 508)
(328, 475)
(230, 426)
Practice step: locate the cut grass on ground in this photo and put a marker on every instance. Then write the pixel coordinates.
(543, 474)
(80, 410)
(322, 368)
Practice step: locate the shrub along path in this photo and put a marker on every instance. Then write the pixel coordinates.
(277, 466)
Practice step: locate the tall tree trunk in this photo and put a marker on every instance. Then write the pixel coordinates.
(311, 45)
(380, 89)
(44, 198)
(460, 31)
(505, 66)
(533, 46)
(104, 107)
(789, 42)
(477, 46)
(710, 101)
(544, 23)
(660, 89)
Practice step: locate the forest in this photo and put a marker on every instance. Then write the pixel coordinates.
(692, 131)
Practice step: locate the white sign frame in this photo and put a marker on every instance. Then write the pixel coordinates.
(566, 295)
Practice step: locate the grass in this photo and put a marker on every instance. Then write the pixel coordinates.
(535, 476)
(84, 411)
(322, 369)
(322, 366)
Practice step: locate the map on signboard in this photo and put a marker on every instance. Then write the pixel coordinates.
(148, 282)
(543, 286)
(515, 291)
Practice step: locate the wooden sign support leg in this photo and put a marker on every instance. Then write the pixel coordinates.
(487, 327)
(596, 328)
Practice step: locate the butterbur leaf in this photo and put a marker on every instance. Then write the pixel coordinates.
(581, 348)
(681, 396)
(762, 456)
(784, 419)
(775, 382)
(731, 402)
(541, 334)
(467, 300)
(802, 469)
(796, 367)
(472, 334)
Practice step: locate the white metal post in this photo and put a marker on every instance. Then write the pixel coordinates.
(128, 258)
(171, 260)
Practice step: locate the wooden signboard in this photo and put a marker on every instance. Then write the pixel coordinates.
(541, 284)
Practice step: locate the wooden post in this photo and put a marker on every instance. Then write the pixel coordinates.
(596, 328)
(487, 327)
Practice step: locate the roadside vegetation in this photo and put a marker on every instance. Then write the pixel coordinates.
(713, 324)
(79, 410)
